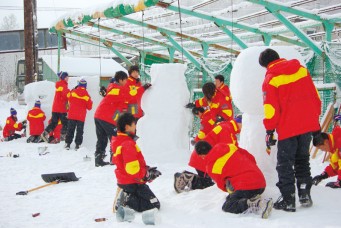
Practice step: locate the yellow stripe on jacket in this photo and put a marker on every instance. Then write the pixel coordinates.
(221, 162)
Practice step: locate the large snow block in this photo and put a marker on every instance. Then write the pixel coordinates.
(163, 130)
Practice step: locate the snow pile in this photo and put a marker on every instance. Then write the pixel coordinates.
(163, 130)
(246, 87)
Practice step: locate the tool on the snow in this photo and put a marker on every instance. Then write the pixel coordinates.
(52, 179)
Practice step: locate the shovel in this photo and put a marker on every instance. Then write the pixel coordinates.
(52, 179)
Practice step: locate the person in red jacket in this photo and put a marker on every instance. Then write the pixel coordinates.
(330, 143)
(131, 171)
(207, 122)
(223, 132)
(36, 118)
(12, 126)
(59, 107)
(235, 171)
(291, 107)
(107, 113)
(54, 136)
(217, 102)
(225, 91)
(136, 91)
(79, 102)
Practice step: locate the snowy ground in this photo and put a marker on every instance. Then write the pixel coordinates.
(77, 204)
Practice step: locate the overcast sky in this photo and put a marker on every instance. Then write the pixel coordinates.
(48, 10)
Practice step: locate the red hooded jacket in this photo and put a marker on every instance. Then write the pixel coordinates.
(224, 132)
(334, 168)
(11, 126)
(36, 118)
(60, 97)
(128, 158)
(227, 162)
(79, 102)
(114, 103)
(291, 102)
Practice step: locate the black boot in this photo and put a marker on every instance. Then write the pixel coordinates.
(287, 204)
(304, 194)
(99, 160)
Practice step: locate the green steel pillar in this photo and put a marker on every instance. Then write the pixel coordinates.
(59, 43)
(171, 54)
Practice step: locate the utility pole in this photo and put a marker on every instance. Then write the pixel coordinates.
(31, 37)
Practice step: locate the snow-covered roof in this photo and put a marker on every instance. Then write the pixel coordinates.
(79, 66)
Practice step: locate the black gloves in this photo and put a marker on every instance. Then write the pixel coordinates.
(151, 174)
(24, 124)
(317, 179)
(102, 91)
(190, 105)
(336, 184)
(269, 139)
(193, 142)
(146, 86)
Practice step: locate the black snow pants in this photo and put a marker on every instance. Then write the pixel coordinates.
(104, 132)
(72, 125)
(236, 202)
(54, 122)
(140, 197)
(293, 163)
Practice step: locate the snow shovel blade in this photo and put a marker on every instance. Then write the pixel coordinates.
(61, 177)
(23, 193)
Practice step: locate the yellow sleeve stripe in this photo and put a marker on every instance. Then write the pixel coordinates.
(235, 127)
(201, 101)
(7, 121)
(40, 115)
(221, 162)
(59, 89)
(211, 122)
(138, 150)
(214, 105)
(75, 95)
(217, 129)
(15, 125)
(269, 111)
(118, 151)
(285, 79)
(114, 92)
(228, 112)
(133, 167)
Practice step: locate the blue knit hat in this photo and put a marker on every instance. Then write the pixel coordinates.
(13, 112)
(37, 104)
(62, 75)
(238, 118)
(82, 83)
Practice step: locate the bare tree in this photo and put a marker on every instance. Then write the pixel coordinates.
(9, 23)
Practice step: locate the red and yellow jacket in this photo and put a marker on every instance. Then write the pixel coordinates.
(334, 167)
(56, 132)
(220, 105)
(291, 102)
(60, 97)
(227, 162)
(11, 126)
(114, 103)
(79, 102)
(135, 93)
(225, 92)
(128, 158)
(224, 132)
(207, 122)
(36, 118)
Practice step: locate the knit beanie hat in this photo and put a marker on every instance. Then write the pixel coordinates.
(37, 104)
(13, 112)
(82, 83)
(62, 75)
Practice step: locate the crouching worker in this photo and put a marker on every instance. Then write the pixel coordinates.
(12, 126)
(131, 172)
(235, 171)
(330, 143)
(36, 118)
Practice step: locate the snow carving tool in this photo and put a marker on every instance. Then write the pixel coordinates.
(52, 179)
